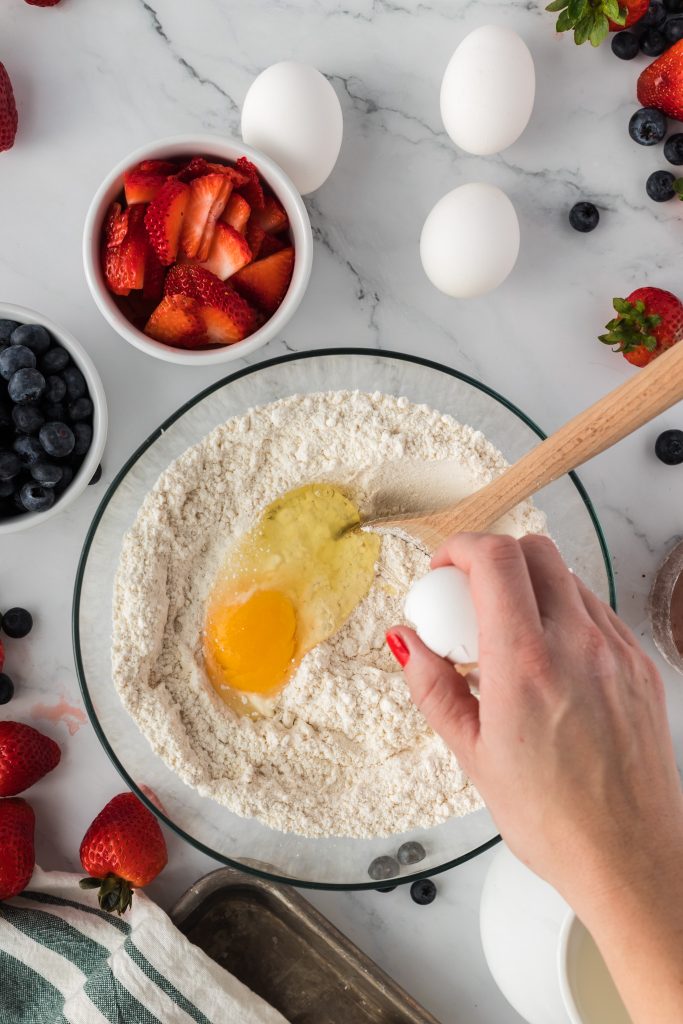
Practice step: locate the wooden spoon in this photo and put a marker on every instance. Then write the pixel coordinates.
(651, 391)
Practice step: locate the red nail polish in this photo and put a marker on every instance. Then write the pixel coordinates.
(398, 648)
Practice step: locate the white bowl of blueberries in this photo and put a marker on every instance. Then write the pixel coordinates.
(53, 419)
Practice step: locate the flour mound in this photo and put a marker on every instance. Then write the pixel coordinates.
(345, 753)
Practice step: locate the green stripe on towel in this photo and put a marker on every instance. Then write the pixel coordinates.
(55, 934)
(25, 996)
(163, 983)
(115, 1002)
(57, 901)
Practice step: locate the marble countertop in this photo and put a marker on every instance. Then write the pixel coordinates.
(95, 80)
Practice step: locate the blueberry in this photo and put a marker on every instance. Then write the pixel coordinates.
(660, 186)
(55, 389)
(17, 623)
(10, 465)
(625, 45)
(411, 853)
(96, 477)
(6, 328)
(382, 868)
(29, 449)
(673, 30)
(81, 409)
(54, 360)
(33, 336)
(653, 42)
(6, 689)
(386, 888)
(36, 498)
(47, 473)
(423, 891)
(15, 357)
(28, 418)
(584, 216)
(655, 15)
(669, 447)
(26, 385)
(673, 149)
(647, 126)
(673, 6)
(75, 382)
(83, 435)
(57, 439)
(55, 411)
(7, 488)
(67, 477)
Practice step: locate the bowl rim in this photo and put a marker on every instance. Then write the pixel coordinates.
(100, 417)
(224, 149)
(113, 487)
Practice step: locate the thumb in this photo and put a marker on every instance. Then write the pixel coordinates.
(439, 691)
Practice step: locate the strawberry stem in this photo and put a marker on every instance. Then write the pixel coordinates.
(633, 327)
(588, 19)
(115, 895)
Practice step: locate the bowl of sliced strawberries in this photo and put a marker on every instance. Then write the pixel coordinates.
(197, 250)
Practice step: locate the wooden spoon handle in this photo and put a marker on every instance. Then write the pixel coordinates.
(648, 393)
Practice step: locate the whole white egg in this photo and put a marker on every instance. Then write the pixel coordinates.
(440, 607)
(292, 114)
(487, 92)
(470, 240)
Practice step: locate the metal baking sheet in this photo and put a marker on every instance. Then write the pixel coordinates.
(283, 949)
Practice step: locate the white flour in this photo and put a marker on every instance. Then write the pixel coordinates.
(346, 752)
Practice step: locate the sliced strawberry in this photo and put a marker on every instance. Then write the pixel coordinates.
(198, 166)
(177, 321)
(208, 196)
(164, 219)
(272, 217)
(229, 252)
(155, 272)
(141, 186)
(271, 244)
(124, 264)
(226, 326)
(255, 236)
(253, 189)
(236, 212)
(226, 315)
(157, 167)
(266, 282)
(115, 225)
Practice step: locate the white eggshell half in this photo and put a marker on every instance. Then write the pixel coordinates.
(292, 114)
(487, 92)
(470, 241)
(440, 607)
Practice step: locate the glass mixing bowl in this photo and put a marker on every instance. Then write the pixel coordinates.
(241, 842)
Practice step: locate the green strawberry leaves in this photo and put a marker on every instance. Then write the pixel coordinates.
(589, 19)
(632, 328)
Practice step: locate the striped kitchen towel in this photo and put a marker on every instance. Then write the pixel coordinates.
(64, 961)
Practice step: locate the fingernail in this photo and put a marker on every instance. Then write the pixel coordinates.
(397, 648)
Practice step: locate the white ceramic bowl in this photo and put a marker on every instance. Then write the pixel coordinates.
(218, 149)
(92, 460)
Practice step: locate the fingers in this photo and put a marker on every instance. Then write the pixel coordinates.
(502, 590)
(441, 693)
(553, 583)
(603, 615)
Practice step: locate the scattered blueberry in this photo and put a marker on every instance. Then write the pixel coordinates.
(6, 689)
(653, 42)
(584, 216)
(15, 357)
(673, 149)
(81, 409)
(33, 336)
(75, 382)
(385, 888)
(625, 45)
(647, 126)
(47, 473)
(36, 498)
(17, 623)
(27, 418)
(10, 465)
(29, 449)
(423, 891)
(660, 186)
(6, 328)
(411, 853)
(654, 16)
(96, 477)
(673, 30)
(669, 447)
(26, 385)
(83, 435)
(55, 389)
(383, 867)
(57, 439)
(54, 360)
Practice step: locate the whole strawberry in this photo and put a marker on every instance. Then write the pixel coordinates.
(25, 756)
(17, 854)
(8, 111)
(42, 3)
(649, 321)
(591, 20)
(661, 83)
(123, 850)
